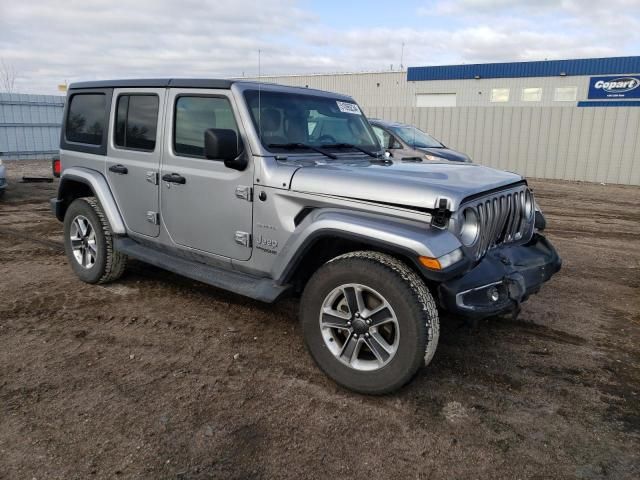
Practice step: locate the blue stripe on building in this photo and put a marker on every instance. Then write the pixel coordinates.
(545, 68)
(611, 103)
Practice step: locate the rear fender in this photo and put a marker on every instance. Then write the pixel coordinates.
(68, 191)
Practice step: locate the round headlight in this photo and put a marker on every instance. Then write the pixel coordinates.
(528, 205)
(470, 227)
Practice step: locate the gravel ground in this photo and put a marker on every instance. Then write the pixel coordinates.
(157, 376)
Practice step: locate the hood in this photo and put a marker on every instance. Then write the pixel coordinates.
(418, 185)
(447, 154)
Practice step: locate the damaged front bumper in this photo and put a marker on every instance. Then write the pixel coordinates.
(502, 280)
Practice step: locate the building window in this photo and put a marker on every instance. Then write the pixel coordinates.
(436, 100)
(565, 94)
(531, 94)
(136, 122)
(85, 121)
(499, 95)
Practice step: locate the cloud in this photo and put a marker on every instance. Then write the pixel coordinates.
(49, 42)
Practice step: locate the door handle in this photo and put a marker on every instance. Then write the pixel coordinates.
(174, 178)
(119, 169)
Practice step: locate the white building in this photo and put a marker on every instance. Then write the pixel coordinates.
(561, 119)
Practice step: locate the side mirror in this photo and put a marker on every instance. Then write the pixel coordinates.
(223, 144)
(388, 154)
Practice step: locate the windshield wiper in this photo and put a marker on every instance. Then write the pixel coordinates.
(291, 146)
(350, 145)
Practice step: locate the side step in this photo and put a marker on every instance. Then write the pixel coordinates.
(263, 289)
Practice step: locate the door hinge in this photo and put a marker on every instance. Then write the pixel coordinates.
(245, 193)
(243, 238)
(152, 177)
(153, 217)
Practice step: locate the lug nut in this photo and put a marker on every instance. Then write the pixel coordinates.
(366, 335)
(348, 324)
(368, 322)
(357, 315)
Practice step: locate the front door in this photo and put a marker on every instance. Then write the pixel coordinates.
(202, 202)
(133, 156)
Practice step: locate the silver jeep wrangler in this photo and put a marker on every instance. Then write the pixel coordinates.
(266, 190)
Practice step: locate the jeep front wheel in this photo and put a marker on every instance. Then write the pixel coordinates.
(369, 321)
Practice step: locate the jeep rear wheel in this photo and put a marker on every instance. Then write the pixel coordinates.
(369, 321)
(88, 243)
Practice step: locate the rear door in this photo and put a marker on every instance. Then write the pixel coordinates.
(205, 205)
(133, 156)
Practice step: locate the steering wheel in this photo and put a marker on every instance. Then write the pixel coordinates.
(326, 139)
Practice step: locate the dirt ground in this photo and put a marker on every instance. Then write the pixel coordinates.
(138, 379)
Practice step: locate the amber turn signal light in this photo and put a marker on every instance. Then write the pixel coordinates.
(431, 263)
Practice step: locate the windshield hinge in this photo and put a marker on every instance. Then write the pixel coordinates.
(441, 214)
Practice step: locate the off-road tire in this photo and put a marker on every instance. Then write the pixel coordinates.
(411, 301)
(110, 264)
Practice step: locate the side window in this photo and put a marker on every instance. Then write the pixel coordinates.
(383, 137)
(194, 115)
(499, 95)
(85, 121)
(136, 122)
(565, 94)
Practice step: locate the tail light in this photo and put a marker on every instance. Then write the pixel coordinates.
(56, 166)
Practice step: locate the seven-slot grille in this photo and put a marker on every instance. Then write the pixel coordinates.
(503, 218)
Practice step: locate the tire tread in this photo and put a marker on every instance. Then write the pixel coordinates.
(116, 262)
(418, 288)
(420, 301)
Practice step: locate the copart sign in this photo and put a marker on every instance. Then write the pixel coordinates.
(615, 87)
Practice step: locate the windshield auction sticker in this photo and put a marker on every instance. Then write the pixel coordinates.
(349, 108)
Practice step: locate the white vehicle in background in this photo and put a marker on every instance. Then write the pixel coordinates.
(3, 179)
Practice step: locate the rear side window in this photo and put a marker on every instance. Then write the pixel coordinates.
(136, 122)
(85, 121)
(193, 116)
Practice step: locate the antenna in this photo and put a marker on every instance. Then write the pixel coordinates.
(259, 99)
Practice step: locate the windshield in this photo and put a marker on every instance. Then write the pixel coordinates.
(416, 138)
(287, 121)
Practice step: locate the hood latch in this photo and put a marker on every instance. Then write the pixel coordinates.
(441, 214)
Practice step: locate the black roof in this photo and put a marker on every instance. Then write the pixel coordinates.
(156, 83)
(224, 84)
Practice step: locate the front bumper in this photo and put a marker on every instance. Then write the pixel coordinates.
(502, 280)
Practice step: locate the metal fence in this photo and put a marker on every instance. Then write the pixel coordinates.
(567, 143)
(30, 125)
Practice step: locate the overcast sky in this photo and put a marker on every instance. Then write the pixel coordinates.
(48, 42)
